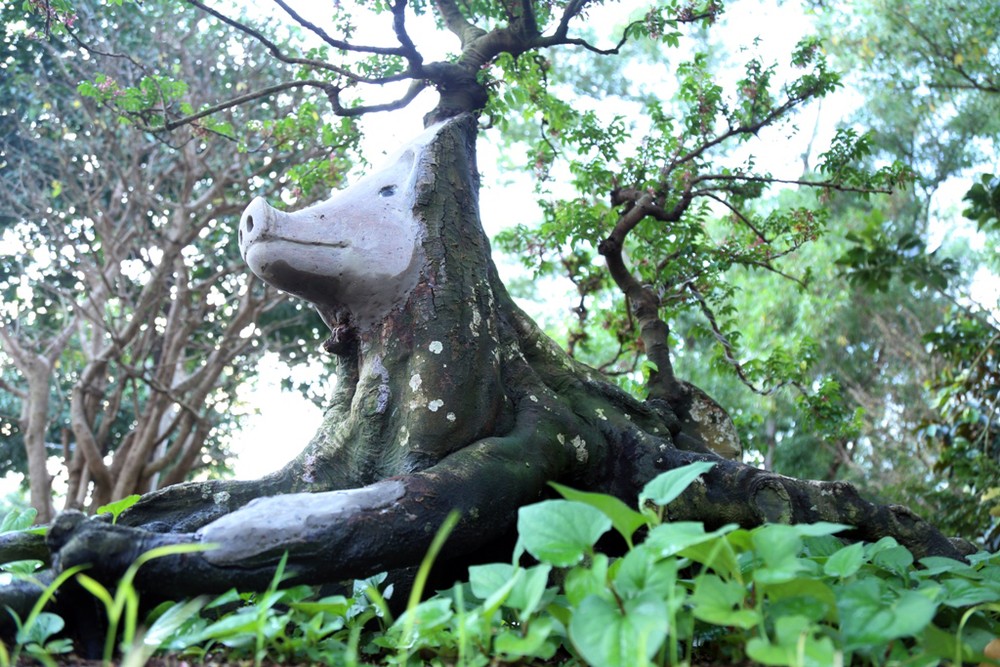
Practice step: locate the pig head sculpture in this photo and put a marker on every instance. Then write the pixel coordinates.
(355, 256)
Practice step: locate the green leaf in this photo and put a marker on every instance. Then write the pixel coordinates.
(46, 624)
(609, 635)
(963, 592)
(525, 587)
(18, 519)
(624, 519)
(534, 644)
(334, 605)
(897, 560)
(560, 532)
(721, 603)
(527, 594)
(584, 581)
(116, 508)
(806, 597)
(641, 570)
(665, 487)
(779, 546)
(673, 538)
(716, 554)
(845, 562)
(423, 619)
(872, 614)
(487, 579)
(795, 644)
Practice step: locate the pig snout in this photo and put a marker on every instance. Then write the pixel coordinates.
(256, 221)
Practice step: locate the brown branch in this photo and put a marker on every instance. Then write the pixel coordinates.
(10, 389)
(739, 130)
(322, 34)
(828, 184)
(239, 100)
(295, 60)
(406, 44)
(739, 214)
(457, 24)
(727, 348)
(653, 331)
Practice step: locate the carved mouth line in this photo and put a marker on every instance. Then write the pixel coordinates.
(319, 244)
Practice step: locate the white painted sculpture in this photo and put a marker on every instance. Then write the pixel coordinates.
(360, 250)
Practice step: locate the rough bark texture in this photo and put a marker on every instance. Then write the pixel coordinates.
(453, 400)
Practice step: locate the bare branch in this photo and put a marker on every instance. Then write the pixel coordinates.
(827, 184)
(319, 32)
(11, 389)
(407, 46)
(295, 60)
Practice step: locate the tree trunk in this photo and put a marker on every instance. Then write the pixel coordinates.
(35, 424)
(449, 397)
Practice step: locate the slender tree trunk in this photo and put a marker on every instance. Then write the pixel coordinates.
(35, 422)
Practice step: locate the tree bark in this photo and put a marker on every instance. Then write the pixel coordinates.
(452, 399)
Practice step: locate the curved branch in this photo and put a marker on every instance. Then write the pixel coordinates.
(399, 27)
(458, 24)
(322, 34)
(415, 88)
(293, 60)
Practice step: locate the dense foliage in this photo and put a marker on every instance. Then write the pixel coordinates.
(679, 594)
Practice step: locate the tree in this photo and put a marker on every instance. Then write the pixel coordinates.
(928, 72)
(449, 396)
(129, 318)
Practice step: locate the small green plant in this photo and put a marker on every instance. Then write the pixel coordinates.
(681, 594)
(123, 607)
(36, 634)
(116, 508)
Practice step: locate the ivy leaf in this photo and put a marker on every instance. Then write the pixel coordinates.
(870, 614)
(560, 532)
(535, 643)
(609, 635)
(624, 519)
(845, 562)
(116, 508)
(18, 519)
(794, 644)
(720, 603)
(673, 538)
(665, 487)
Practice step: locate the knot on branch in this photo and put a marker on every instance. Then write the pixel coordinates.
(772, 502)
(609, 246)
(460, 89)
(343, 341)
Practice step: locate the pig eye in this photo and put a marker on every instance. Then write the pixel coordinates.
(387, 191)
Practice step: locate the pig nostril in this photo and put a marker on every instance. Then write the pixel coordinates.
(249, 223)
(239, 235)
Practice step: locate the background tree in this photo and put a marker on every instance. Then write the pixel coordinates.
(130, 319)
(928, 75)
